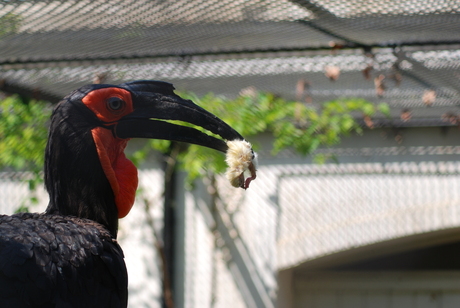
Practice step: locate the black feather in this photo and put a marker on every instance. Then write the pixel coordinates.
(74, 176)
(52, 270)
(56, 259)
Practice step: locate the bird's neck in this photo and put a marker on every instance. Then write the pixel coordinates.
(75, 177)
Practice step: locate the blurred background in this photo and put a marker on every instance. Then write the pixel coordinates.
(353, 107)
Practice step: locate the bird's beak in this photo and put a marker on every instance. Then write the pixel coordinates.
(155, 103)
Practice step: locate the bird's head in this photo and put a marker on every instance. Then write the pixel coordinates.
(86, 170)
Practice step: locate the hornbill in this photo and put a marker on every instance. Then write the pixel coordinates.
(68, 256)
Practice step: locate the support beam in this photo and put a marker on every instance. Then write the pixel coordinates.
(241, 265)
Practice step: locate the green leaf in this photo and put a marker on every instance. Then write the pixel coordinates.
(384, 108)
(295, 125)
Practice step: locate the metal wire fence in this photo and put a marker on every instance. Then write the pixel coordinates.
(402, 52)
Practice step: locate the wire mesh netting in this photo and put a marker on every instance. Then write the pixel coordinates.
(405, 53)
(389, 201)
(302, 212)
(401, 52)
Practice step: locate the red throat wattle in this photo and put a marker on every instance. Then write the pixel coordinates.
(120, 171)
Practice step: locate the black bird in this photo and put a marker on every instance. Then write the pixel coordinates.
(68, 256)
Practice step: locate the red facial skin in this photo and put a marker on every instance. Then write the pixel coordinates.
(120, 171)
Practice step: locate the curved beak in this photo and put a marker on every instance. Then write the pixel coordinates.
(155, 101)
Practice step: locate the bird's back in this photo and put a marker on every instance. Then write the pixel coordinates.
(56, 261)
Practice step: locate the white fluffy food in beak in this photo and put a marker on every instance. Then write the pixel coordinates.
(240, 157)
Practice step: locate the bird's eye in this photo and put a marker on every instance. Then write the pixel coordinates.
(115, 104)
